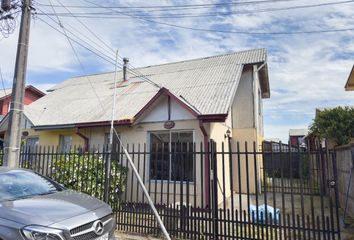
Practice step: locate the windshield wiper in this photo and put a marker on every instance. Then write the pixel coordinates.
(46, 193)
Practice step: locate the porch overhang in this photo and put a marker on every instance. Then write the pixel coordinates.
(213, 117)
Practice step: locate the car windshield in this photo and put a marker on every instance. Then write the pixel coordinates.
(18, 184)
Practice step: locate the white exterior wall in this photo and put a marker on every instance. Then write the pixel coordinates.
(242, 107)
(258, 103)
(247, 124)
(159, 112)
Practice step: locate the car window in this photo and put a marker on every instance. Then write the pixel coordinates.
(17, 184)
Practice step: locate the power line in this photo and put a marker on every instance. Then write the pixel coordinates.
(100, 54)
(112, 15)
(2, 83)
(134, 71)
(227, 31)
(97, 37)
(88, 29)
(78, 59)
(79, 38)
(96, 51)
(175, 7)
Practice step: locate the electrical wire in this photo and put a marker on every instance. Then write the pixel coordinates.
(79, 40)
(131, 70)
(113, 15)
(96, 51)
(176, 7)
(87, 28)
(226, 31)
(2, 83)
(79, 61)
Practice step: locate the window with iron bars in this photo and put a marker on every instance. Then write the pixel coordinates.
(172, 156)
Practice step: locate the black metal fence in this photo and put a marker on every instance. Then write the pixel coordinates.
(206, 191)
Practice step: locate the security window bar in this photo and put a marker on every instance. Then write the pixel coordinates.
(172, 156)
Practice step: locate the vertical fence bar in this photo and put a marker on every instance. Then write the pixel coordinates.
(162, 171)
(137, 185)
(335, 178)
(144, 171)
(239, 185)
(292, 189)
(301, 176)
(265, 223)
(231, 188)
(322, 189)
(215, 191)
(223, 183)
(256, 180)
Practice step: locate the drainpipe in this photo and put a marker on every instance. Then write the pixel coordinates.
(206, 163)
(86, 140)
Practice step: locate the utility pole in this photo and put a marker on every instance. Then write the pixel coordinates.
(12, 146)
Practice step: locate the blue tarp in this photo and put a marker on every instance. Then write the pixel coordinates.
(273, 215)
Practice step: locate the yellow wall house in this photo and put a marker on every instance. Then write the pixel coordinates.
(192, 101)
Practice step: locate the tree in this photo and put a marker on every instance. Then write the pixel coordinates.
(336, 124)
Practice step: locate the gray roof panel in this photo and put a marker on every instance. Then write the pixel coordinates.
(208, 84)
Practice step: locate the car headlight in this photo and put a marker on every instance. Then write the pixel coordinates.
(42, 233)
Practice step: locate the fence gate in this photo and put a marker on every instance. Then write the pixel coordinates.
(207, 191)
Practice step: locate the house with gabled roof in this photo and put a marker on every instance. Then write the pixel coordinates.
(31, 94)
(189, 101)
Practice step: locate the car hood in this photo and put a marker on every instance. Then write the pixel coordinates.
(49, 209)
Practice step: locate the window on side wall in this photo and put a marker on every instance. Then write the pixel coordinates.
(172, 156)
(65, 142)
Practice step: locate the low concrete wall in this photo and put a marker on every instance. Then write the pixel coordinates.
(344, 165)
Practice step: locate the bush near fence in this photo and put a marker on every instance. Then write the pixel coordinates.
(85, 174)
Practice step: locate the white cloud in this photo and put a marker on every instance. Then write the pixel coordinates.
(306, 71)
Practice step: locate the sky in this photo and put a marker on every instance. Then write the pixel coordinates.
(306, 71)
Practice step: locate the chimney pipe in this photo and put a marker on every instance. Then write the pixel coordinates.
(125, 65)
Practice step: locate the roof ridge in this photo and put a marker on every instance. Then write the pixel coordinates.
(170, 63)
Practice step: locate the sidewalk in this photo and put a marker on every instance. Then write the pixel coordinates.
(348, 231)
(347, 234)
(124, 236)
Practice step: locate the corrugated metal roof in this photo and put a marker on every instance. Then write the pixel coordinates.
(298, 132)
(5, 92)
(208, 84)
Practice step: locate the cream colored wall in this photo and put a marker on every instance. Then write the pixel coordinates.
(51, 138)
(139, 134)
(217, 133)
(239, 171)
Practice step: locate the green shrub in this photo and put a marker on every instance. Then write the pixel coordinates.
(86, 173)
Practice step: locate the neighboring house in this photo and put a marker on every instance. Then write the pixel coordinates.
(199, 100)
(297, 137)
(349, 86)
(31, 95)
